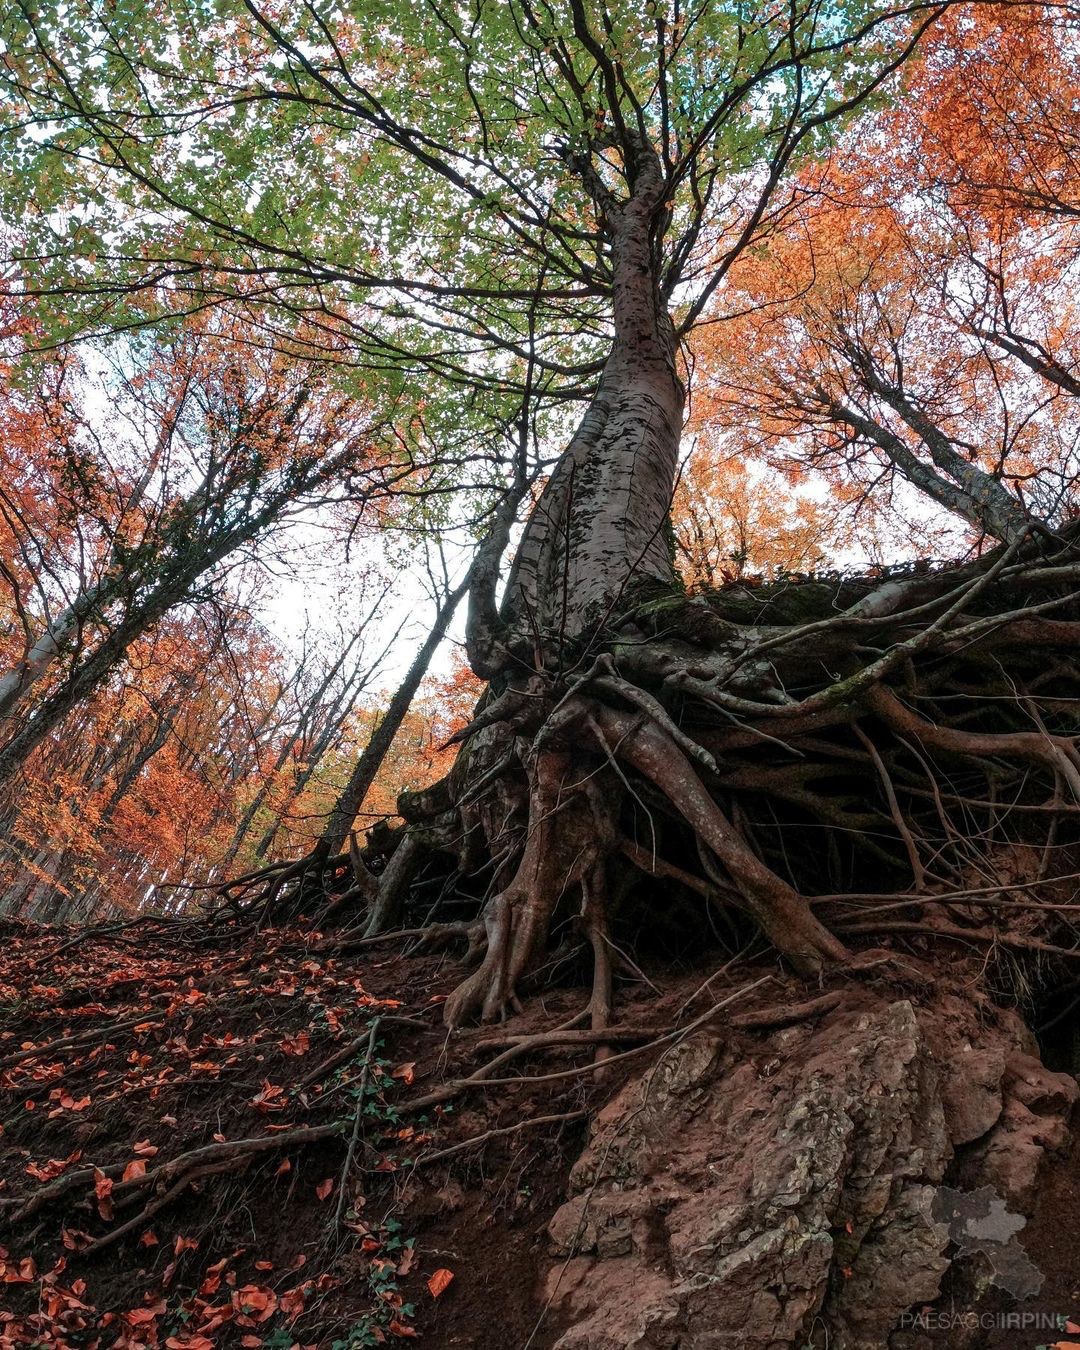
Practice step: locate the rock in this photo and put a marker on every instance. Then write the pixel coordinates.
(732, 1209)
(769, 1192)
(971, 1094)
(1034, 1124)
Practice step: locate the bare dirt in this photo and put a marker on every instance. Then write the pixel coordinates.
(185, 1042)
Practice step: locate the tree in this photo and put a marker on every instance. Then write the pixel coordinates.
(521, 202)
(225, 451)
(927, 335)
(731, 523)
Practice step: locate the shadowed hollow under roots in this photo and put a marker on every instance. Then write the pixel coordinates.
(801, 761)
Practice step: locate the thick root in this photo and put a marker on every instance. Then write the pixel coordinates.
(783, 916)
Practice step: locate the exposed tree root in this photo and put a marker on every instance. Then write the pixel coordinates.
(762, 754)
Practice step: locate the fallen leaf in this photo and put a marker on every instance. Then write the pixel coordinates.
(268, 1098)
(103, 1190)
(438, 1283)
(133, 1170)
(323, 1189)
(144, 1148)
(405, 1072)
(148, 1239)
(284, 1166)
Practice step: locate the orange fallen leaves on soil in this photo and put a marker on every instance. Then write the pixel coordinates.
(440, 1281)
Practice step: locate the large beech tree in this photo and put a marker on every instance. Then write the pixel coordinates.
(496, 201)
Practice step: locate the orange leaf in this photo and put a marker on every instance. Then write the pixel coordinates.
(148, 1239)
(284, 1166)
(134, 1169)
(404, 1071)
(138, 1315)
(439, 1281)
(323, 1189)
(103, 1190)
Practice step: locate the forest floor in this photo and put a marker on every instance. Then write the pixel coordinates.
(123, 1052)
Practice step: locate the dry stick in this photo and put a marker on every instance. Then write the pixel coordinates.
(917, 871)
(958, 934)
(760, 1019)
(988, 902)
(152, 1208)
(479, 1139)
(345, 943)
(66, 1042)
(184, 1163)
(566, 1036)
(358, 1113)
(230, 1149)
(765, 1019)
(54, 1189)
(481, 1078)
(351, 1047)
(946, 896)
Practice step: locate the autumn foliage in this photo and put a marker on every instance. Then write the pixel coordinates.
(909, 335)
(178, 736)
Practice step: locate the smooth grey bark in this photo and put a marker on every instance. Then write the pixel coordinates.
(979, 499)
(51, 644)
(1036, 358)
(1002, 514)
(394, 884)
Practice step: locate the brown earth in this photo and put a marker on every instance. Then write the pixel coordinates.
(564, 1233)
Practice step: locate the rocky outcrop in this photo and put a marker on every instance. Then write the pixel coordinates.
(756, 1193)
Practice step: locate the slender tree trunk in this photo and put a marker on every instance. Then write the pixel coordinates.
(368, 765)
(286, 751)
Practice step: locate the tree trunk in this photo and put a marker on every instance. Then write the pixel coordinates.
(368, 765)
(601, 523)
